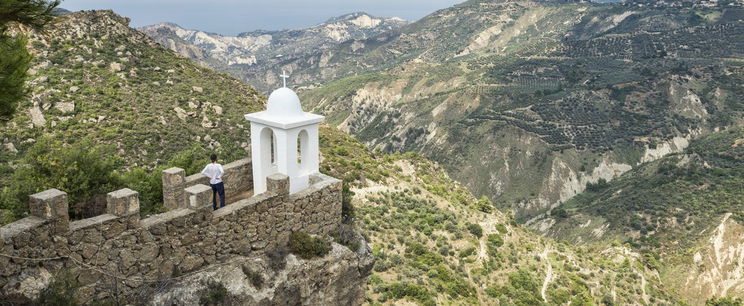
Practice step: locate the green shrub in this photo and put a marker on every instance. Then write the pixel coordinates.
(347, 208)
(150, 187)
(475, 229)
(559, 212)
(522, 289)
(83, 170)
(15, 61)
(308, 247)
(189, 160)
(255, 277)
(501, 228)
(61, 291)
(598, 186)
(467, 252)
(414, 292)
(214, 294)
(485, 205)
(347, 236)
(724, 301)
(493, 243)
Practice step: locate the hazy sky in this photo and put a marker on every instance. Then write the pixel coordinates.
(234, 16)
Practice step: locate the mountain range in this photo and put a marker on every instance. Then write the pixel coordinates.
(256, 56)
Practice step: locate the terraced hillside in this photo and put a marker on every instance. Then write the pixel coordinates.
(684, 210)
(437, 244)
(527, 102)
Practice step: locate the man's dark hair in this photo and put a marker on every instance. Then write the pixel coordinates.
(213, 157)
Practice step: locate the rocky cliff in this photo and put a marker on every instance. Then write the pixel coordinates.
(338, 278)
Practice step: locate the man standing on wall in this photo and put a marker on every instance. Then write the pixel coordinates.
(214, 172)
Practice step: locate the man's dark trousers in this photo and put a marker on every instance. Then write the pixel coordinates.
(218, 188)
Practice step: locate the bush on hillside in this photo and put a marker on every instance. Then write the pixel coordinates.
(214, 294)
(485, 205)
(347, 236)
(347, 208)
(475, 229)
(61, 291)
(724, 301)
(83, 170)
(598, 186)
(308, 247)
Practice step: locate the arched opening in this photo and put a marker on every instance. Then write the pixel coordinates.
(303, 147)
(273, 149)
(268, 148)
(299, 150)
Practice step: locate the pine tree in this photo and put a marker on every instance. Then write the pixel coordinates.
(14, 57)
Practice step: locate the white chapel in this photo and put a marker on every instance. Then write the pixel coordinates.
(284, 139)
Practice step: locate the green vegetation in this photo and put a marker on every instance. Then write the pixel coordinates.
(308, 247)
(725, 301)
(97, 135)
(670, 201)
(419, 226)
(521, 288)
(14, 57)
(60, 291)
(475, 229)
(404, 290)
(256, 278)
(87, 172)
(15, 61)
(494, 241)
(214, 294)
(83, 170)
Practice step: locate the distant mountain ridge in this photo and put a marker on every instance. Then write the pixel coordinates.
(256, 56)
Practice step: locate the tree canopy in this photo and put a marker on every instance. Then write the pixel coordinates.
(14, 57)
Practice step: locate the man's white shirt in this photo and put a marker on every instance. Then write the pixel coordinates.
(214, 172)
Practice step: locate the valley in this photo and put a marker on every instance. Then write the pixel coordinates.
(493, 152)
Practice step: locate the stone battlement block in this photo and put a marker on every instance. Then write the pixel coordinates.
(173, 183)
(199, 196)
(278, 183)
(51, 205)
(123, 202)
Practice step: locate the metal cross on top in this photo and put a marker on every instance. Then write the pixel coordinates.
(284, 76)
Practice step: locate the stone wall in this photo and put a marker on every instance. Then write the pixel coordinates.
(238, 179)
(119, 253)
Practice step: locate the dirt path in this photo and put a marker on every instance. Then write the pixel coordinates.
(482, 252)
(643, 287)
(548, 273)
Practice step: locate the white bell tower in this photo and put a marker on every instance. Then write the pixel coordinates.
(284, 139)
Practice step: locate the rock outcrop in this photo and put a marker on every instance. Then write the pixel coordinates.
(338, 278)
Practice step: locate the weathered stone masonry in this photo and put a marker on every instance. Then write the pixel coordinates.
(188, 237)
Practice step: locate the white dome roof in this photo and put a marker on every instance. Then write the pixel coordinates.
(284, 102)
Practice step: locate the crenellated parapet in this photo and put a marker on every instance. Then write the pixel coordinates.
(120, 245)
